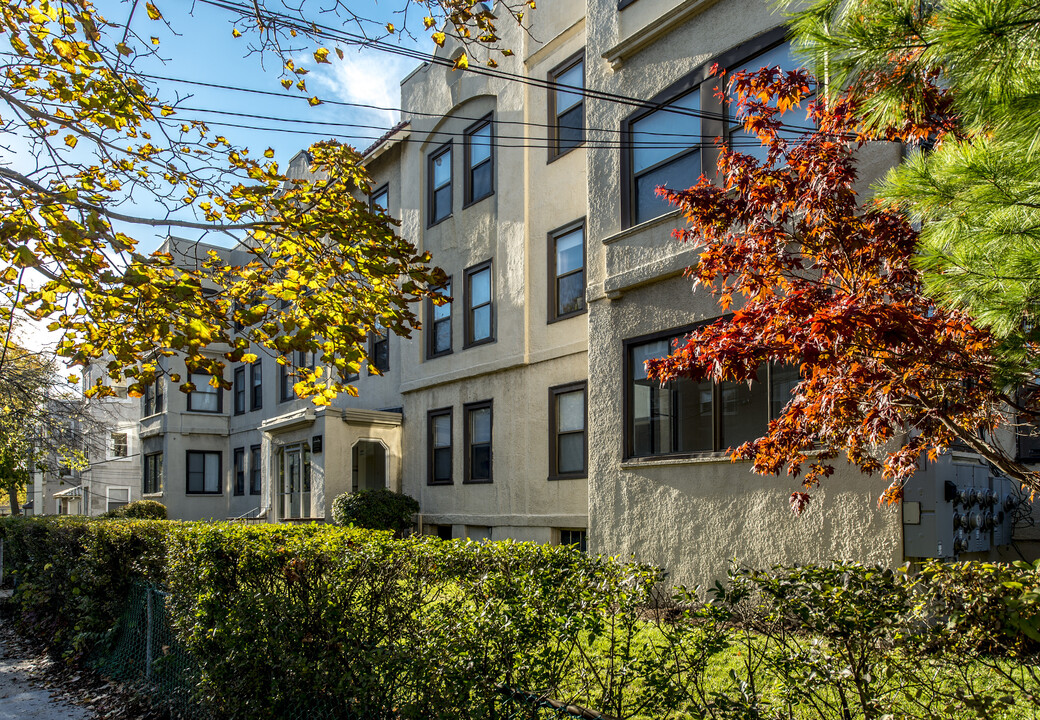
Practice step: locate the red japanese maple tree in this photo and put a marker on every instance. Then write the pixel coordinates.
(813, 275)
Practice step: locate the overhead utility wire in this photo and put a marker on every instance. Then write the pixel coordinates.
(605, 144)
(650, 145)
(330, 33)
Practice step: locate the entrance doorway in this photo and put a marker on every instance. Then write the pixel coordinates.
(369, 466)
(294, 482)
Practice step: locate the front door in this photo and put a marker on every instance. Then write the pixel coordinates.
(295, 483)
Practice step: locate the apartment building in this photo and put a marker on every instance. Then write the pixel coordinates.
(522, 409)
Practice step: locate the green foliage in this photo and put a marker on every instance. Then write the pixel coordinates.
(375, 509)
(964, 75)
(329, 621)
(139, 510)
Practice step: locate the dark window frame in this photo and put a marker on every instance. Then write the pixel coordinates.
(554, 434)
(377, 336)
(240, 390)
(628, 400)
(220, 472)
(554, 278)
(153, 462)
(553, 121)
(255, 476)
(582, 539)
(468, 408)
(431, 219)
(431, 332)
(448, 412)
(256, 385)
(219, 392)
(384, 188)
(467, 170)
(712, 109)
(467, 274)
(152, 399)
(239, 470)
(285, 384)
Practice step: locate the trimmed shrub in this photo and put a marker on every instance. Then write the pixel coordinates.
(375, 509)
(139, 510)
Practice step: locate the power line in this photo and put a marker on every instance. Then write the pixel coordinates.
(330, 33)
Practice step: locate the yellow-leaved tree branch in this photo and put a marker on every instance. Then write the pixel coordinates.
(88, 135)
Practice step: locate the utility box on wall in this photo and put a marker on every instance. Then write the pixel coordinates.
(955, 505)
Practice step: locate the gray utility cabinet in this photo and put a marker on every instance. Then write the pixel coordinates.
(956, 505)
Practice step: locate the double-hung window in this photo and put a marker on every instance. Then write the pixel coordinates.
(254, 469)
(204, 469)
(438, 330)
(152, 401)
(480, 161)
(566, 106)
(153, 473)
(256, 386)
(379, 349)
(480, 305)
(478, 436)
(205, 397)
(439, 444)
(685, 417)
(240, 471)
(664, 150)
(240, 390)
(567, 271)
(120, 445)
(379, 201)
(568, 438)
(440, 184)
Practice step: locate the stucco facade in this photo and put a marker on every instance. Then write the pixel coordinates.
(519, 410)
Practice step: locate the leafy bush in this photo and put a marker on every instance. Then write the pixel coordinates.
(139, 510)
(332, 621)
(375, 509)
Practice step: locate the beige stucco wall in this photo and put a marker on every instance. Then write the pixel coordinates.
(692, 516)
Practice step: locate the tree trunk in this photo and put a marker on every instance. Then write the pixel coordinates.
(12, 494)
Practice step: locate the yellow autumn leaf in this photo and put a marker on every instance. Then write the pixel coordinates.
(236, 33)
(438, 37)
(428, 22)
(339, 53)
(269, 153)
(71, 140)
(461, 62)
(153, 12)
(390, 27)
(321, 55)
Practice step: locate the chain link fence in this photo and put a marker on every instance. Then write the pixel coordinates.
(146, 655)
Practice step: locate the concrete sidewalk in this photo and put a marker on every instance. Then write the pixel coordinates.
(20, 700)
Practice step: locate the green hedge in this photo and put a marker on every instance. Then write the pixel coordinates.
(322, 621)
(139, 510)
(380, 509)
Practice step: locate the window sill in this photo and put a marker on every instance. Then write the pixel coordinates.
(569, 476)
(471, 203)
(205, 412)
(664, 461)
(553, 157)
(440, 483)
(148, 496)
(478, 482)
(670, 216)
(434, 356)
(204, 494)
(568, 316)
(478, 343)
(438, 222)
(654, 30)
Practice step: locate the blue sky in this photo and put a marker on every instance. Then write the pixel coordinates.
(199, 46)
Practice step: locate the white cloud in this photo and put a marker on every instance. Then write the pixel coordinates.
(373, 78)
